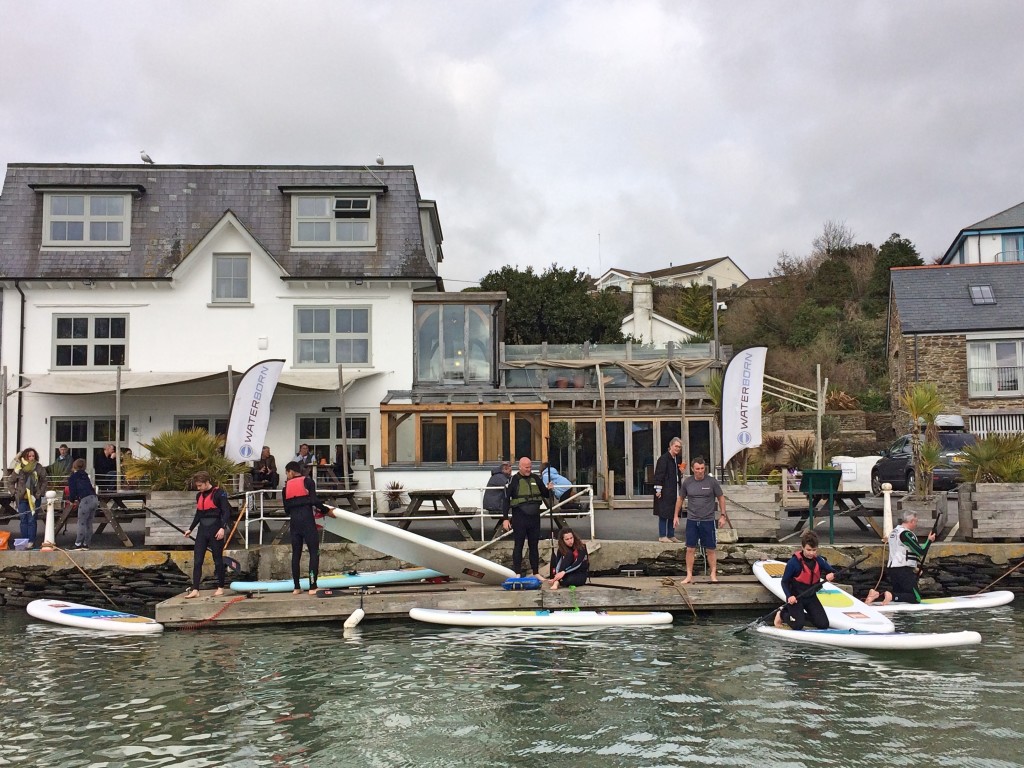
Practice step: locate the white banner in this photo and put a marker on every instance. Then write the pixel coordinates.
(741, 402)
(250, 411)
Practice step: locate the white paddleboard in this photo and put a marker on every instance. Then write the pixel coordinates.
(413, 548)
(540, 618)
(340, 580)
(844, 611)
(965, 602)
(87, 617)
(875, 641)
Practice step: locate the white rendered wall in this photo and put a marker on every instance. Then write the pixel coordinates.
(174, 329)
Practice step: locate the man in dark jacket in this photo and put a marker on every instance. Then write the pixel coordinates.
(526, 493)
(495, 500)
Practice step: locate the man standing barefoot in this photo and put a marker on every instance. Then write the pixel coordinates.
(701, 493)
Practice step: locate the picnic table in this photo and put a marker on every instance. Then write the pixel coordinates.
(115, 507)
(448, 508)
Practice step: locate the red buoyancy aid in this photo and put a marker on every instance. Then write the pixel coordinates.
(808, 574)
(205, 502)
(296, 488)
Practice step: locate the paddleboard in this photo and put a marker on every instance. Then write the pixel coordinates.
(965, 602)
(844, 611)
(87, 617)
(414, 548)
(540, 618)
(340, 580)
(875, 641)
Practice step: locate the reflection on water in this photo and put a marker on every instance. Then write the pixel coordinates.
(416, 695)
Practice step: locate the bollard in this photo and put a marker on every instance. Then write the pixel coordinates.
(48, 534)
(886, 509)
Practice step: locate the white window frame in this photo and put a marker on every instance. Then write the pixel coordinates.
(218, 259)
(989, 375)
(332, 442)
(86, 218)
(90, 341)
(92, 445)
(332, 336)
(201, 418)
(334, 212)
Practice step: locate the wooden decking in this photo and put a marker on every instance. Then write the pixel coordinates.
(395, 601)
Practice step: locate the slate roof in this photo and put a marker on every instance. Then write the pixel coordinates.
(937, 299)
(181, 203)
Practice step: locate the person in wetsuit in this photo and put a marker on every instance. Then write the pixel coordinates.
(906, 552)
(300, 500)
(213, 516)
(526, 493)
(800, 582)
(570, 565)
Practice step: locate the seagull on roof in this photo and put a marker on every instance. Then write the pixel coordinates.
(145, 158)
(380, 159)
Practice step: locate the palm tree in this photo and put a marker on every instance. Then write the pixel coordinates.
(923, 404)
(174, 457)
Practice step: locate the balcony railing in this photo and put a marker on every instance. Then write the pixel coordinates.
(995, 381)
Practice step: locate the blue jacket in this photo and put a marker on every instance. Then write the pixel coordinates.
(80, 486)
(550, 475)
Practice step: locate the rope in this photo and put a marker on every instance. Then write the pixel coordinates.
(668, 581)
(194, 625)
(1018, 565)
(69, 557)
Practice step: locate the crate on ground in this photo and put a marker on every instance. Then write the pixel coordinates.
(991, 511)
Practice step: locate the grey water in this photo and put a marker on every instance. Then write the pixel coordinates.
(403, 694)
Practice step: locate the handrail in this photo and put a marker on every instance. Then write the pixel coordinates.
(255, 511)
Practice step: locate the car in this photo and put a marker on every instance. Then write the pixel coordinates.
(896, 465)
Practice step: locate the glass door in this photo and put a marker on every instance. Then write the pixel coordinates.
(641, 458)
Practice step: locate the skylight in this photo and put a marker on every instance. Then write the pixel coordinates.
(982, 294)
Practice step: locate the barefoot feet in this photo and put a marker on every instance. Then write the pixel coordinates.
(219, 592)
(192, 593)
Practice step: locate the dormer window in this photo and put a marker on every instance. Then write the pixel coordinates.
(333, 221)
(85, 220)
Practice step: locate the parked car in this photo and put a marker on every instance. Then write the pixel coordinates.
(897, 464)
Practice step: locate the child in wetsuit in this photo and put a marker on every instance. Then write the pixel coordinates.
(801, 581)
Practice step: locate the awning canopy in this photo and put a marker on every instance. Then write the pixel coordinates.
(99, 382)
(91, 383)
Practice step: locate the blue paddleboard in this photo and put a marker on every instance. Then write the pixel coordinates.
(340, 581)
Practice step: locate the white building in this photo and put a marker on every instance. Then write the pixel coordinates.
(723, 271)
(999, 238)
(184, 276)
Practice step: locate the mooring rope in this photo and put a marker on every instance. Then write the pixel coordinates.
(194, 625)
(88, 578)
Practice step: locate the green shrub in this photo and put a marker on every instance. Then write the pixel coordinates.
(174, 457)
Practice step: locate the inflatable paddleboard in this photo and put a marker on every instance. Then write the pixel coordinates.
(540, 618)
(966, 602)
(844, 611)
(87, 617)
(340, 581)
(874, 641)
(414, 548)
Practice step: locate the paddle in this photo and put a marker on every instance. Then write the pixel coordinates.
(233, 565)
(935, 528)
(809, 591)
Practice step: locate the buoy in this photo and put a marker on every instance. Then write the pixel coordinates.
(48, 534)
(353, 621)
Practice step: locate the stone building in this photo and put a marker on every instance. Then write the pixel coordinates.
(960, 327)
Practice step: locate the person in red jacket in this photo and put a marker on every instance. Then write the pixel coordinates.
(300, 501)
(803, 577)
(213, 516)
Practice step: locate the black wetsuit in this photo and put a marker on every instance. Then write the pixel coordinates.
(526, 496)
(300, 500)
(800, 579)
(576, 565)
(213, 512)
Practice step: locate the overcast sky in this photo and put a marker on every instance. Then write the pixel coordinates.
(593, 134)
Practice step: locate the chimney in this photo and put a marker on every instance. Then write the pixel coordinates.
(643, 310)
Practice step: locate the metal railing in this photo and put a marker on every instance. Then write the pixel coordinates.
(259, 512)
